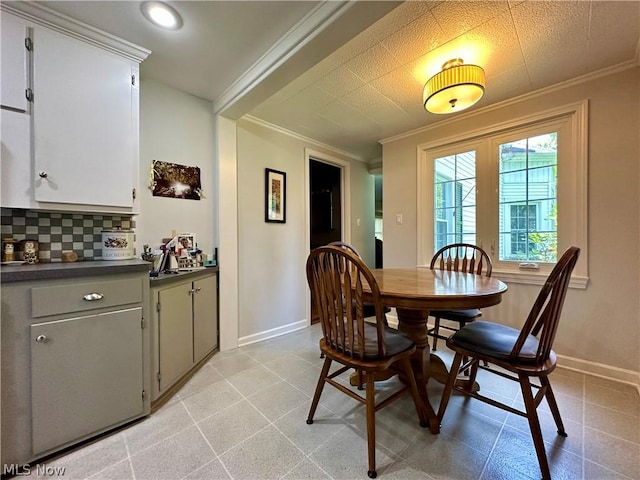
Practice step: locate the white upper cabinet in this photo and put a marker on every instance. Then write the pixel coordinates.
(14, 64)
(84, 143)
(81, 148)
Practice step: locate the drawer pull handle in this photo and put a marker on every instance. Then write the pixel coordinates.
(41, 338)
(90, 297)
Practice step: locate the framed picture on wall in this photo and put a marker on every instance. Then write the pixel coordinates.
(275, 203)
(175, 181)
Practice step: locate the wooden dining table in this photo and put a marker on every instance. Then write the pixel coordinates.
(414, 292)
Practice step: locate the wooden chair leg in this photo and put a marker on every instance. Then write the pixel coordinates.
(446, 394)
(316, 396)
(553, 406)
(436, 332)
(534, 426)
(371, 424)
(472, 374)
(360, 382)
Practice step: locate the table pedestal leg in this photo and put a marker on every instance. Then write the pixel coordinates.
(413, 323)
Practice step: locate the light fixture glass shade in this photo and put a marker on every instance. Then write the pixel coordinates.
(455, 88)
(162, 15)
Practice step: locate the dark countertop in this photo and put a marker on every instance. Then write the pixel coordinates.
(165, 278)
(59, 270)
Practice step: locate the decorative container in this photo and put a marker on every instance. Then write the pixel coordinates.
(117, 245)
(30, 251)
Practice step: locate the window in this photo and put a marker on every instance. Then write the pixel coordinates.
(455, 199)
(518, 190)
(527, 199)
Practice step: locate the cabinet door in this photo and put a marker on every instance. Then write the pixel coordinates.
(15, 167)
(14, 63)
(175, 333)
(205, 317)
(86, 375)
(83, 123)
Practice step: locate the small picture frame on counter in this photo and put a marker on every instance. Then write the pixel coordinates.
(186, 241)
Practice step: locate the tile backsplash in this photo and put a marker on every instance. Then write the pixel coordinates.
(61, 232)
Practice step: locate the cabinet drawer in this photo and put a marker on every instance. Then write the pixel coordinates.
(78, 297)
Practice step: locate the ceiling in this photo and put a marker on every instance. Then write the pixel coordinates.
(370, 88)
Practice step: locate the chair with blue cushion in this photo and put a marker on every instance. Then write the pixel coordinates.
(521, 354)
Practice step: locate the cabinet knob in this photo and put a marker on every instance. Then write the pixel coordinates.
(43, 174)
(41, 338)
(198, 289)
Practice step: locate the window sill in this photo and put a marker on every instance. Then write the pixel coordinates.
(537, 278)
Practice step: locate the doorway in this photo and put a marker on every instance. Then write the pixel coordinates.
(325, 208)
(325, 203)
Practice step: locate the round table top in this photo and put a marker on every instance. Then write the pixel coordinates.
(437, 289)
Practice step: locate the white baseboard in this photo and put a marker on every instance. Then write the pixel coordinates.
(274, 332)
(600, 370)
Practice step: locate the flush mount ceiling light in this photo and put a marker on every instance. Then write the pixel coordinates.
(455, 88)
(162, 15)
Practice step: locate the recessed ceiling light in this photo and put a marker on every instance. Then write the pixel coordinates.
(162, 15)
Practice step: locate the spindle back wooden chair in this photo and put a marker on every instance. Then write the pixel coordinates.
(338, 278)
(458, 257)
(525, 353)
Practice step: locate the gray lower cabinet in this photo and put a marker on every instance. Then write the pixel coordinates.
(92, 367)
(205, 317)
(75, 361)
(175, 332)
(185, 326)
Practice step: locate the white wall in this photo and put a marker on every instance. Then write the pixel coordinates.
(600, 326)
(272, 256)
(179, 128)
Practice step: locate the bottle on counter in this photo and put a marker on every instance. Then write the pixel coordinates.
(8, 249)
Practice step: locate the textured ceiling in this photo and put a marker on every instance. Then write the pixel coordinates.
(370, 88)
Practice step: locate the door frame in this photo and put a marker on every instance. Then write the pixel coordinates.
(345, 206)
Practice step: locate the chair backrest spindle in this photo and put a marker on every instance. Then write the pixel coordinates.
(544, 316)
(338, 279)
(462, 257)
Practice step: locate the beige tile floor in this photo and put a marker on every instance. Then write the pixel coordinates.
(242, 416)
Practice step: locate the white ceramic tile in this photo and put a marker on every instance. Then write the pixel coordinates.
(266, 455)
(175, 457)
(211, 400)
(227, 428)
(157, 427)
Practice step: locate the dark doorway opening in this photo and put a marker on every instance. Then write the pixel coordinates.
(325, 186)
(325, 203)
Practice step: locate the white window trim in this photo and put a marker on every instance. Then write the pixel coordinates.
(573, 230)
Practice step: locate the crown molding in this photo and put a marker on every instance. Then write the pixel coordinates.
(515, 100)
(41, 15)
(297, 136)
(288, 45)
